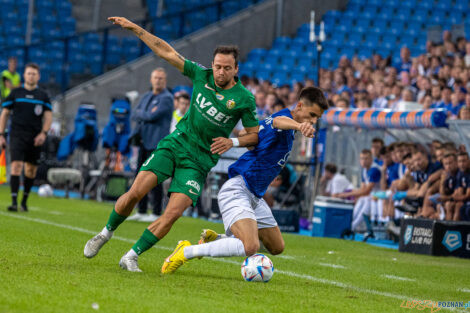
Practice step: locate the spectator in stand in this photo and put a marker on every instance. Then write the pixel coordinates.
(10, 78)
(454, 108)
(405, 60)
(445, 101)
(427, 102)
(340, 83)
(467, 54)
(278, 106)
(260, 99)
(375, 148)
(292, 100)
(464, 113)
(435, 94)
(462, 194)
(271, 100)
(365, 206)
(342, 103)
(335, 182)
(363, 104)
(182, 101)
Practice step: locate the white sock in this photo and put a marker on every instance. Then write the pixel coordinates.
(107, 233)
(218, 248)
(131, 253)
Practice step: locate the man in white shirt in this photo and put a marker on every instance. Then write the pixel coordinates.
(336, 182)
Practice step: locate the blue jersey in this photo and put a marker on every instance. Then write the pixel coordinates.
(392, 173)
(261, 165)
(372, 175)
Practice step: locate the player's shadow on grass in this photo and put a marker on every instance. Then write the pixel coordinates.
(208, 275)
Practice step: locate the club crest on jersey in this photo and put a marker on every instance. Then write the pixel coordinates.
(38, 109)
(194, 184)
(219, 96)
(230, 104)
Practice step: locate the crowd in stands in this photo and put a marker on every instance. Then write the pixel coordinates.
(405, 180)
(438, 79)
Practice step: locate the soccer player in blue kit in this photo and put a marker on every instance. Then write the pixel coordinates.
(247, 217)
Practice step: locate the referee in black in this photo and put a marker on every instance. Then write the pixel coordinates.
(30, 121)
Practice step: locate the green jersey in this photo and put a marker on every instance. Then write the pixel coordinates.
(14, 78)
(214, 112)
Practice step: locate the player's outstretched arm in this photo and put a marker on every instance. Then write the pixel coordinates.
(248, 138)
(159, 46)
(285, 123)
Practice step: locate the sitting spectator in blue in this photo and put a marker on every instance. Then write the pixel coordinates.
(464, 113)
(375, 148)
(462, 194)
(455, 106)
(434, 208)
(340, 83)
(425, 174)
(405, 60)
(365, 206)
(445, 101)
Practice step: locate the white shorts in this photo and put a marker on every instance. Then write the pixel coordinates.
(236, 202)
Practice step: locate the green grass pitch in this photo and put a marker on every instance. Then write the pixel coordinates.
(42, 269)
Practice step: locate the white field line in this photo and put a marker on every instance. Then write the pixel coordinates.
(332, 265)
(398, 277)
(45, 211)
(464, 290)
(287, 273)
(288, 257)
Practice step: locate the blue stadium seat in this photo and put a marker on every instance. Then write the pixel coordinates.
(346, 51)
(282, 43)
(267, 66)
(415, 26)
(380, 23)
(354, 7)
(455, 17)
(283, 68)
(15, 41)
(76, 63)
(389, 41)
(93, 62)
(297, 77)
(461, 5)
(64, 8)
(396, 26)
(113, 55)
(370, 10)
(363, 22)
(279, 79)
(289, 61)
(130, 53)
(355, 39)
(263, 75)
(272, 59)
(383, 52)
(364, 53)
(407, 40)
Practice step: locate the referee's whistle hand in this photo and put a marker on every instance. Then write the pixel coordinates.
(39, 139)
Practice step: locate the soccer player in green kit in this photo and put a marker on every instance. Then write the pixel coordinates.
(218, 102)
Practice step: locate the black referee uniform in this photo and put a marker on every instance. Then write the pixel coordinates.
(27, 109)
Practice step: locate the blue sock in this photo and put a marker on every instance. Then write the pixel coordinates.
(367, 221)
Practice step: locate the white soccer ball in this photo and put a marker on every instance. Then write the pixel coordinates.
(45, 190)
(257, 267)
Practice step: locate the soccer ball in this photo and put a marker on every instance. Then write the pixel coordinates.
(45, 191)
(257, 267)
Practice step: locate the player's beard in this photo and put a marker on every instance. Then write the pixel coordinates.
(222, 83)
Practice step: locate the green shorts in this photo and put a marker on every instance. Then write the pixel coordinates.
(178, 157)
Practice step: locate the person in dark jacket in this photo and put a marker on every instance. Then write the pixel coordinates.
(152, 118)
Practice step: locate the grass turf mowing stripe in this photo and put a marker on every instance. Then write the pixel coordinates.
(287, 273)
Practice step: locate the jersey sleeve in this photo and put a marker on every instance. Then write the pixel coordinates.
(192, 69)
(9, 101)
(374, 175)
(249, 114)
(47, 103)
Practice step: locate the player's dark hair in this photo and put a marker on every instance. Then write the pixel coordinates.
(314, 95)
(366, 151)
(450, 155)
(233, 50)
(383, 151)
(461, 153)
(32, 65)
(330, 167)
(378, 140)
(183, 95)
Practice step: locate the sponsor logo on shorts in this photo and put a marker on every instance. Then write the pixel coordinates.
(193, 184)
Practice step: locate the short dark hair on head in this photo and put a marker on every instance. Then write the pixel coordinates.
(461, 153)
(330, 167)
(314, 95)
(32, 65)
(378, 140)
(366, 151)
(233, 50)
(183, 95)
(450, 155)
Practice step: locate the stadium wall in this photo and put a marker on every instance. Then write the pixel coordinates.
(253, 27)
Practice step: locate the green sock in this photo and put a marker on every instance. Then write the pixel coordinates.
(145, 242)
(115, 220)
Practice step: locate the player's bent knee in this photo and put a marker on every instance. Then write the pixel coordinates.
(251, 248)
(277, 249)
